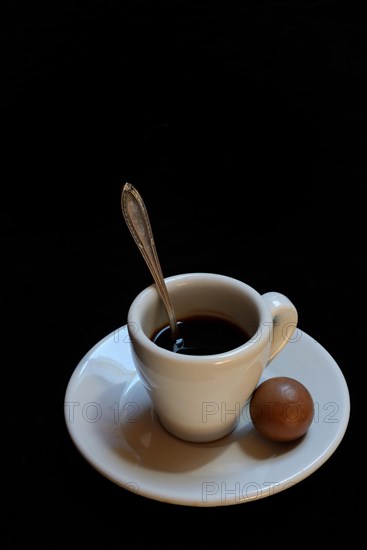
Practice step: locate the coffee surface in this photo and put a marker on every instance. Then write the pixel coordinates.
(202, 335)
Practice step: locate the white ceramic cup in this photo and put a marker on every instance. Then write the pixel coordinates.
(200, 398)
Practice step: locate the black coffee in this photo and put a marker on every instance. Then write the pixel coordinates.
(202, 335)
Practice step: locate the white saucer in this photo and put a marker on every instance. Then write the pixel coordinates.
(111, 421)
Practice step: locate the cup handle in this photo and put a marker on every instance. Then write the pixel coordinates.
(285, 319)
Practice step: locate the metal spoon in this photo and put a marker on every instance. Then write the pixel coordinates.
(137, 220)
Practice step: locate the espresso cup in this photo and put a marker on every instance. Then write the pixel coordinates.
(200, 398)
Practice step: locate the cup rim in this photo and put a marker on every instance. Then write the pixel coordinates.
(141, 338)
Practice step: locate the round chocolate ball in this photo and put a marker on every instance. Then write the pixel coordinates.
(281, 409)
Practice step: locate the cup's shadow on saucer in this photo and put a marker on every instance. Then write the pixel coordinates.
(141, 439)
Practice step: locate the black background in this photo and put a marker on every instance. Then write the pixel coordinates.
(243, 127)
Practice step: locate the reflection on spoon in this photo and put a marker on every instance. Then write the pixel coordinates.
(137, 220)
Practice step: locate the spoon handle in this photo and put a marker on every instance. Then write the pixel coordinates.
(137, 220)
